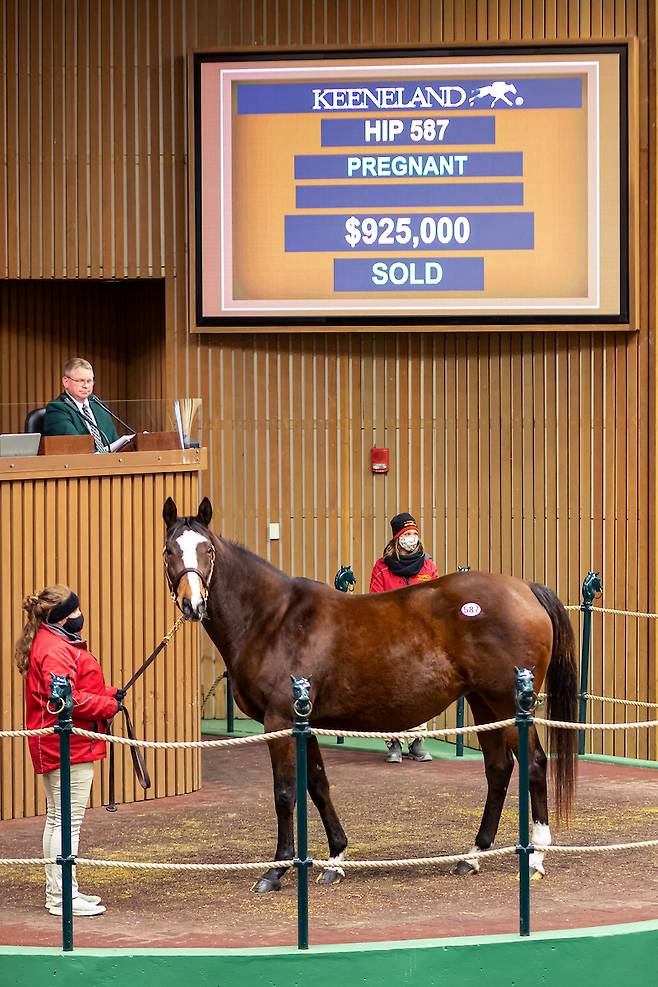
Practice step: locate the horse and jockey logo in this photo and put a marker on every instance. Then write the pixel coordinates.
(497, 91)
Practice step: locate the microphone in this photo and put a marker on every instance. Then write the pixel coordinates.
(78, 412)
(92, 397)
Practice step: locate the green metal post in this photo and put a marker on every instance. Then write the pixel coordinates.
(302, 707)
(524, 703)
(459, 740)
(591, 586)
(230, 724)
(61, 699)
(344, 582)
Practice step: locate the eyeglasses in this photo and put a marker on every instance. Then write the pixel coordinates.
(81, 380)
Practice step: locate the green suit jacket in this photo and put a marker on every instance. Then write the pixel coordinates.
(63, 418)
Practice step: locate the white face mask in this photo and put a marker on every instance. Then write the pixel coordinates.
(409, 542)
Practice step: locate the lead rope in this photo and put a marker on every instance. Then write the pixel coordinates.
(138, 758)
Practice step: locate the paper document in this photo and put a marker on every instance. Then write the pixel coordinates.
(120, 443)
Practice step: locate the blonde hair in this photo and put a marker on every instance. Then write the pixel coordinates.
(37, 608)
(77, 363)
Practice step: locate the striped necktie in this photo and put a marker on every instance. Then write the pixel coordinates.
(93, 428)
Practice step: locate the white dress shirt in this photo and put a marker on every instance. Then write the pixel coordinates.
(83, 407)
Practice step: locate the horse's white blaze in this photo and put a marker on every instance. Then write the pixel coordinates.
(189, 542)
(540, 837)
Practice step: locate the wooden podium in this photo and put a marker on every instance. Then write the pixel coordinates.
(66, 445)
(95, 523)
(156, 441)
(77, 445)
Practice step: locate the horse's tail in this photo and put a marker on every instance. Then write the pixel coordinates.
(562, 690)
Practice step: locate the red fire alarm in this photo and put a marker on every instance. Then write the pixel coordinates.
(379, 460)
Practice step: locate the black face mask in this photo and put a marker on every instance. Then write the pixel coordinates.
(74, 624)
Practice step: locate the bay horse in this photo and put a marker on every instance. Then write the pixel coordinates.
(381, 662)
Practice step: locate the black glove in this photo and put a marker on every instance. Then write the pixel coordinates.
(120, 695)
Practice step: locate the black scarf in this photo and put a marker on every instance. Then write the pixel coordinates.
(69, 635)
(408, 565)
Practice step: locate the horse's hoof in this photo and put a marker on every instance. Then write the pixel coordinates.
(330, 878)
(535, 875)
(465, 869)
(263, 884)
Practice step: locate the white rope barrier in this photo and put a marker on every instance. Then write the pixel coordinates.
(363, 734)
(26, 733)
(359, 734)
(137, 865)
(227, 868)
(333, 863)
(621, 702)
(569, 725)
(640, 845)
(611, 610)
(258, 738)
(541, 696)
(624, 613)
(413, 735)
(28, 861)
(453, 858)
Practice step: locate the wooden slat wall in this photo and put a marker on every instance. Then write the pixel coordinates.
(532, 453)
(58, 531)
(117, 326)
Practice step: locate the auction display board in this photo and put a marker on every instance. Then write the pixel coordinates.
(414, 190)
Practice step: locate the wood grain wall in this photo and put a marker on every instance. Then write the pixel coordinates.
(117, 325)
(531, 453)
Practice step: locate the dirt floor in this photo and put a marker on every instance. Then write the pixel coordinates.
(406, 810)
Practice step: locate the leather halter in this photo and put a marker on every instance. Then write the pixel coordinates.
(173, 583)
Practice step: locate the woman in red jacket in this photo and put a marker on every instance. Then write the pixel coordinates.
(403, 563)
(51, 645)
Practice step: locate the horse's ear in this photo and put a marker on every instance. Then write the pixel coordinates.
(169, 512)
(204, 514)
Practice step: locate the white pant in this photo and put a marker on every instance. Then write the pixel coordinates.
(81, 778)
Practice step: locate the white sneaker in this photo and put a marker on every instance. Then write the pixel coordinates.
(91, 899)
(80, 908)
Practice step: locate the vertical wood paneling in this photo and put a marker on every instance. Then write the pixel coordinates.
(58, 531)
(119, 327)
(530, 453)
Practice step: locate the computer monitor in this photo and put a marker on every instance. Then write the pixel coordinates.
(21, 444)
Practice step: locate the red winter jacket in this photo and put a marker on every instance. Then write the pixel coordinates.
(93, 701)
(382, 578)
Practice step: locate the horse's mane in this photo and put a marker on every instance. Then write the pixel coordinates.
(235, 546)
(250, 556)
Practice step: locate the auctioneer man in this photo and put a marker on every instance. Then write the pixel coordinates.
(76, 411)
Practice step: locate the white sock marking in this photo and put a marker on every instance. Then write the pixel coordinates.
(335, 864)
(540, 837)
(475, 864)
